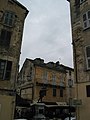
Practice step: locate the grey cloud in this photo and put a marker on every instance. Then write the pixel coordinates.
(47, 32)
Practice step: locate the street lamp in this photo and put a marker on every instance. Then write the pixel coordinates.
(70, 84)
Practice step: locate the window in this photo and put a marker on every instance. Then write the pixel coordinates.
(5, 37)
(86, 20)
(0, 107)
(77, 2)
(5, 69)
(45, 77)
(30, 76)
(61, 92)
(88, 57)
(69, 73)
(54, 90)
(53, 79)
(81, 1)
(9, 18)
(88, 90)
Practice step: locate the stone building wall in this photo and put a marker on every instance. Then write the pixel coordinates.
(12, 16)
(80, 41)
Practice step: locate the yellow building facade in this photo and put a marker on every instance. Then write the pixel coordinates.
(35, 76)
(12, 16)
(80, 20)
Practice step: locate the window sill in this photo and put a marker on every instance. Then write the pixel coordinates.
(83, 2)
(85, 29)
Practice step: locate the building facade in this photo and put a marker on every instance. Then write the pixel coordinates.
(12, 16)
(70, 84)
(36, 76)
(40, 82)
(80, 20)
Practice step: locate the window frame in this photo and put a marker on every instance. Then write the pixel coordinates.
(87, 21)
(87, 58)
(9, 18)
(81, 1)
(6, 74)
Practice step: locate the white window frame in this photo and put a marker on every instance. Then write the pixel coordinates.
(81, 1)
(87, 58)
(87, 21)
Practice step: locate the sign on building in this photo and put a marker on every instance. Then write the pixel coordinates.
(77, 102)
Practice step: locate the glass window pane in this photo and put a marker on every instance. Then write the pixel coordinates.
(88, 51)
(88, 90)
(89, 14)
(88, 63)
(9, 18)
(5, 38)
(84, 17)
(85, 25)
(2, 68)
(5, 69)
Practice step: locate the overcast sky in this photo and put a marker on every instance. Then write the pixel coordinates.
(47, 31)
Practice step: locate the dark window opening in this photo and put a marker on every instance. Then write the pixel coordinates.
(88, 51)
(88, 90)
(61, 92)
(5, 38)
(69, 73)
(77, 2)
(54, 91)
(5, 69)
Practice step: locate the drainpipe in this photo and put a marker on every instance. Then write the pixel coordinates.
(75, 66)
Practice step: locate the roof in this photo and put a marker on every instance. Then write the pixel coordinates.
(19, 4)
(67, 67)
(50, 65)
(68, 0)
